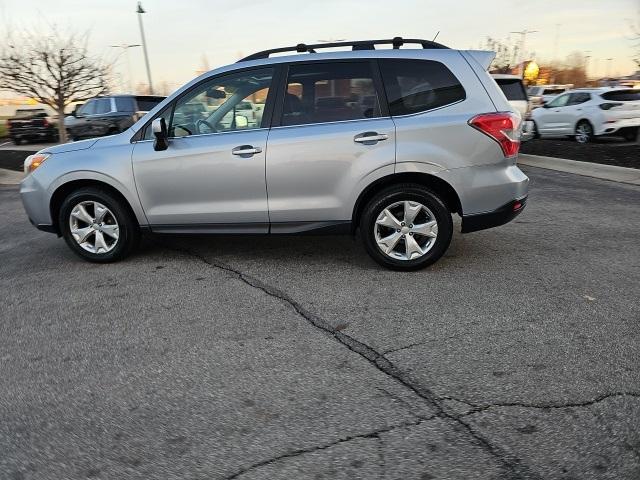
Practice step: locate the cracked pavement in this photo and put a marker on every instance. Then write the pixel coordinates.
(516, 356)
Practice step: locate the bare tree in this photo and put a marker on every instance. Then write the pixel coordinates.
(54, 69)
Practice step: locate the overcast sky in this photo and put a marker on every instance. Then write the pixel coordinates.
(181, 32)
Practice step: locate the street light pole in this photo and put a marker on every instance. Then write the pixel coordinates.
(125, 49)
(140, 11)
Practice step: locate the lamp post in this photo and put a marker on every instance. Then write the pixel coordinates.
(140, 11)
(125, 49)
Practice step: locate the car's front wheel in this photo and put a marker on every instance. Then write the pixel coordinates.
(97, 225)
(406, 227)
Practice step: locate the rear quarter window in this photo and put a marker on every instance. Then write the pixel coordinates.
(622, 95)
(512, 88)
(414, 86)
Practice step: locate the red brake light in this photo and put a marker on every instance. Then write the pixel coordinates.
(45, 122)
(503, 127)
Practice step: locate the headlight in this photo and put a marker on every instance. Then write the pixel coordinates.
(34, 161)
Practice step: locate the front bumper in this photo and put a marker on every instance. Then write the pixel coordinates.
(495, 218)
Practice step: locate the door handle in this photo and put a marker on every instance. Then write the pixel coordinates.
(246, 150)
(372, 137)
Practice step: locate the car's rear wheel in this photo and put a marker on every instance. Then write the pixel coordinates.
(584, 132)
(406, 227)
(631, 134)
(536, 132)
(98, 226)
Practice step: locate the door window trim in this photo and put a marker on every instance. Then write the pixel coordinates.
(377, 85)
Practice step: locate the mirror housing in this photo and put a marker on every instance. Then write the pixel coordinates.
(242, 121)
(215, 93)
(159, 129)
(74, 112)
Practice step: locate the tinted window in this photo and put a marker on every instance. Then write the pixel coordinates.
(513, 88)
(215, 105)
(622, 95)
(125, 104)
(329, 92)
(553, 91)
(103, 105)
(560, 101)
(578, 98)
(147, 103)
(417, 85)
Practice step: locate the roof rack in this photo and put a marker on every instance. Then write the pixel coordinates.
(397, 42)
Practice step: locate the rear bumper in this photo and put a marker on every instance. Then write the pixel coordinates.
(495, 218)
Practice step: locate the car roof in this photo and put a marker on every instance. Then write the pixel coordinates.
(505, 76)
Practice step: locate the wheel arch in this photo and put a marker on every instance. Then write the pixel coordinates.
(436, 184)
(65, 189)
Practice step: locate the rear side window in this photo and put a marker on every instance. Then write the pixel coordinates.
(513, 88)
(329, 92)
(414, 86)
(578, 98)
(147, 103)
(103, 105)
(125, 104)
(622, 95)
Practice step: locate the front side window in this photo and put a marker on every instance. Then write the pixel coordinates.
(223, 104)
(414, 86)
(125, 104)
(560, 101)
(329, 92)
(578, 98)
(88, 108)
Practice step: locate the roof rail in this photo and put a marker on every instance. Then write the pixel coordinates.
(397, 42)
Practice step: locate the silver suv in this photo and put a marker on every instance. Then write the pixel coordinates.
(388, 141)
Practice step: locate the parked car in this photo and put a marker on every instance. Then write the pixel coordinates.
(29, 124)
(440, 138)
(513, 88)
(108, 115)
(541, 94)
(586, 113)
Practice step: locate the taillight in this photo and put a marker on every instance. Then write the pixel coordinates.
(503, 127)
(607, 106)
(45, 123)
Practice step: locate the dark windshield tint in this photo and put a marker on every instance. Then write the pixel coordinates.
(147, 103)
(417, 85)
(622, 95)
(513, 88)
(553, 91)
(125, 104)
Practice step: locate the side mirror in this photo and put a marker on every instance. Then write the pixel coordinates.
(74, 112)
(242, 121)
(159, 129)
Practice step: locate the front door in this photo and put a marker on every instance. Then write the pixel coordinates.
(555, 117)
(330, 133)
(211, 178)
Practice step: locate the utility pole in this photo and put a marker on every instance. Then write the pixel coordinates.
(609, 60)
(125, 49)
(140, 11)
(523, 41)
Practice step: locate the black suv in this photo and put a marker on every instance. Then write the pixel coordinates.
(108, 115)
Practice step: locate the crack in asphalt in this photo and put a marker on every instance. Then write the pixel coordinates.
(302, 451)
(548, 406)
(378, 360)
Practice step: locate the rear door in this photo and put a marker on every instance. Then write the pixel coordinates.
(326, 138)
(623, 106)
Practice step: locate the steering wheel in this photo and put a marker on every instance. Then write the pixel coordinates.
(200, 122)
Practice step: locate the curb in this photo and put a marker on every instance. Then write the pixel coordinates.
(10, 177)
(587, 169)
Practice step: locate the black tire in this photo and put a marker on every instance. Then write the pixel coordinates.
(129, 233)
(588, 129)
(631, 135)
(399, 193)
(16, 140)
(536, 133)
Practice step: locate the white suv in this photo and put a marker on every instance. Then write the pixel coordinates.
(586, 113)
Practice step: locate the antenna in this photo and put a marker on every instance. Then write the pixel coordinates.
(434, 38)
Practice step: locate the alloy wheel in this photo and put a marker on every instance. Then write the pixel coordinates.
(94, 227)
(583, 133)
(406, 230)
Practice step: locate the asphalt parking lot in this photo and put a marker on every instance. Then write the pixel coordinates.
(516, 356)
